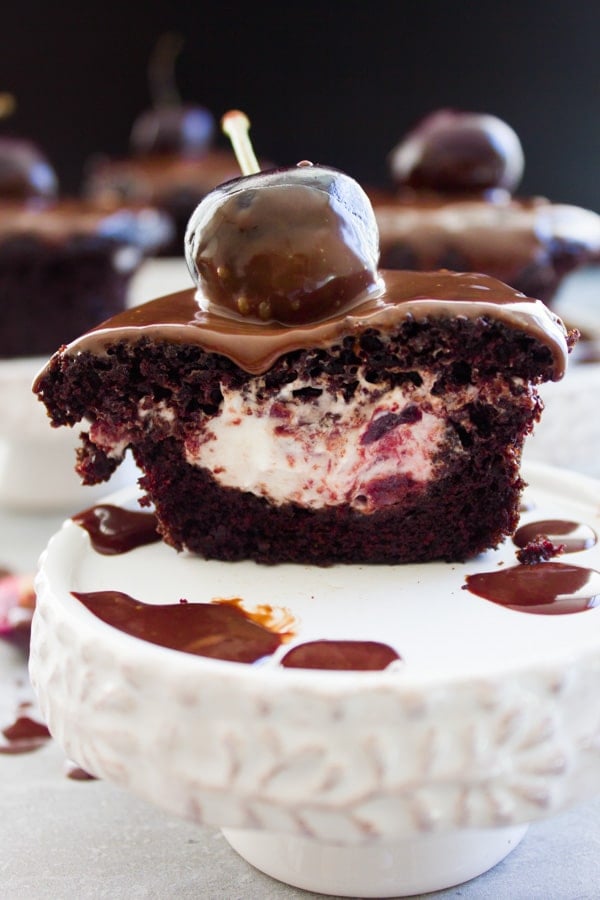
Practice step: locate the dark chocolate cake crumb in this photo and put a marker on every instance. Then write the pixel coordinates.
(540, 549)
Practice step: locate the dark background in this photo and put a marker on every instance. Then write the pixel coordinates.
(335, 82)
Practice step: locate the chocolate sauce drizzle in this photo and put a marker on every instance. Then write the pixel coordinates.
(114, 530)
(24, 734)
(549, 588)
(218, 631)
(573, 536)
(340, 655)
(226, 631)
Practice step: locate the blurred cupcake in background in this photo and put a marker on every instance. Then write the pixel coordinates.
(173, 160)
(454, 207)
(66, 264)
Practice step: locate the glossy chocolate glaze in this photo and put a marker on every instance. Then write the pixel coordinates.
(493, 233)
(456, 173)
(549, 588)
(254, 346)
(573, 536)
(292, 245)
(219, 631)
(340, 655)
(57, 219)
(452, 150)
(115, 530)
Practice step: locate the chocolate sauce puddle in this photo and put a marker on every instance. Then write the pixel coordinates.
(113, 530)
(226, 631)
(573, 536)
(218, 631)
(340, 655)
(24, 735)
(549, 588)
(75, 773)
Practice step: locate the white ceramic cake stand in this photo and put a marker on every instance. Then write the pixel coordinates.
(370, 784)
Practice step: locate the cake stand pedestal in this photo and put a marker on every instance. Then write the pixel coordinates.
(413, 866)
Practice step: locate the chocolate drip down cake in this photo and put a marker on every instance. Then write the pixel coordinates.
(303, 406)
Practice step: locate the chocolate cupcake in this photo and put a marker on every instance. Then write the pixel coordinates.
(304, 406)
(65, 266)
(173, 160)
(454, 207)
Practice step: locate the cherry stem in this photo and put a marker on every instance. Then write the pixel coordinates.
(161, 70)
(8, 104)
(235, 125)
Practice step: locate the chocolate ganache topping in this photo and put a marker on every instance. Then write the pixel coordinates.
(255, 346)
(286, 259)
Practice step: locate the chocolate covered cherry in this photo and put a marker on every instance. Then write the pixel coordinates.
(459, 151)
(183, 129)
(291, 245)
(24, 171)
(170, 126)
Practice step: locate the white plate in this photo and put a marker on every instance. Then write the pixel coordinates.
(491, 721)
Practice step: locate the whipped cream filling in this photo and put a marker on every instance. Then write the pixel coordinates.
(309, 446)
(321, 450)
